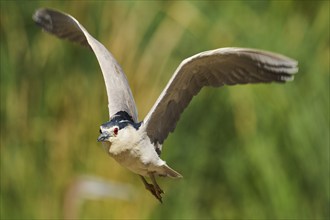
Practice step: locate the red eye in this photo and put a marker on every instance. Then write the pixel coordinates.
(115, 131)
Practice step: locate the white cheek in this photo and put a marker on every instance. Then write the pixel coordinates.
(112, 139)
(126, 136)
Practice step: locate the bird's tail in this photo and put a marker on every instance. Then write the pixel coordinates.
(168, 171)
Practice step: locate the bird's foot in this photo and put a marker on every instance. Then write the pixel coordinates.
(154, 189)
(157, 189)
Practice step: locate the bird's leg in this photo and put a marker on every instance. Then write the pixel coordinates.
(156, 186)
(151, 188)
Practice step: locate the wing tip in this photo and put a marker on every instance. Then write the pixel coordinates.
(287, 78)
(288, 75)
(42, 18)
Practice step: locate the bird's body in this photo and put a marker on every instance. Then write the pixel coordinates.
(139, 156)
(137, 145)
(133, 149)
(136, 153)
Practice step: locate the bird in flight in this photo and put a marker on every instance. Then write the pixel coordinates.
(137, 145)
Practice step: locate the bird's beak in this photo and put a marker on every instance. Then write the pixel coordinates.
(103, 137)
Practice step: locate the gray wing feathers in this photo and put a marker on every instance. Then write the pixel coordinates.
(226, 66)
(62, 25)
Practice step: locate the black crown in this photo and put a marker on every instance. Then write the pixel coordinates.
(122, 119)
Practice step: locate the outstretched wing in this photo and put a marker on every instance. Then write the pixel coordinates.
(225, 66)
(65, 26)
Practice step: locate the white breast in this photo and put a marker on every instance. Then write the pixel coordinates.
(132, 149)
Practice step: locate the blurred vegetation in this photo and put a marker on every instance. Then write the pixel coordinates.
(246, 152)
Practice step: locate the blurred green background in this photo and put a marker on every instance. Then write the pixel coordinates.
(246, 152)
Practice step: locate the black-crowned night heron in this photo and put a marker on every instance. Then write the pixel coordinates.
(137, 145)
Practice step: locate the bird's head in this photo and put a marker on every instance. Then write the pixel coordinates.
(107, 133)
(120, 126)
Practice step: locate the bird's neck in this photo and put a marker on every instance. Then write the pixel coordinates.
(127, 139)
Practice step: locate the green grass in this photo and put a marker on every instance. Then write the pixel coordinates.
(246, 152)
